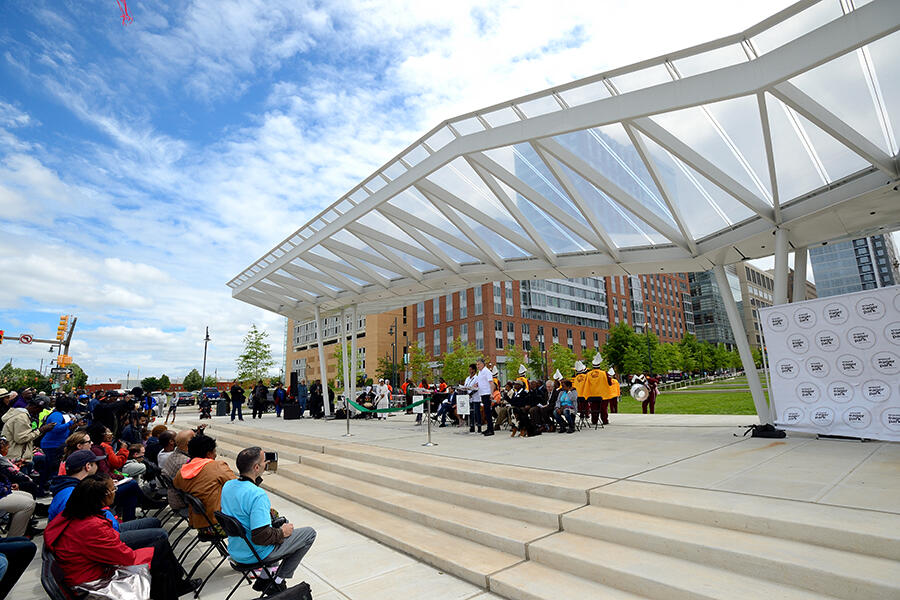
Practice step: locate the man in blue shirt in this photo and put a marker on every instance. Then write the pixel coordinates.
(244, 500)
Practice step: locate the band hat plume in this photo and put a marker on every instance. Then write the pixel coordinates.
(611, 372)
(522, 370)
(597, 360)
(495, 371)
(557, 376)
(579, 366)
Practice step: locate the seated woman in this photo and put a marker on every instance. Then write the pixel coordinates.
(80, 440)
(87, 547)
(128, 494)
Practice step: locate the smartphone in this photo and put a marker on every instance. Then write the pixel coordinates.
(271, 461)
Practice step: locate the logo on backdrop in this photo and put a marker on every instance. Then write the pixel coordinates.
(793, 415)
(798, 343)
(870, 308)
(829, 341)
(857, 417)
(890, 418)
(787, 368)
(778, 322)
(849, 365)
(892, 332)
(897, 302)
(876, 390)
(817, 367)
(886, 362)
(808, 392)
(805, 318)
(840, 391)
(822, 416)
(836, 313)
(861, 337)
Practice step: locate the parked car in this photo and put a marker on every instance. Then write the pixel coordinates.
(185, 398)
(211, 392)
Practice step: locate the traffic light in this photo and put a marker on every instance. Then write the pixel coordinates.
(61, 329)
(1, 336)
(63, 360)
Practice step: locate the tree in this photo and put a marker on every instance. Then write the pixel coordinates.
(150, 384)
(632, 361)
(536, 362)
(587, 356)
(721, 357)
(418, 363)
(563, 359)
(621, 337)
(705, 352)
(13, 378)
(670, 355)
(386, 370)
(457, 361)
(757, 356)
(192, 381)
(164, 382)
(514, 358)
(78, 379)
(689, 348)
(210, 382)
(255, 361)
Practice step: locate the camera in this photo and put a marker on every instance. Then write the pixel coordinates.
(271, 461)
(277, 522)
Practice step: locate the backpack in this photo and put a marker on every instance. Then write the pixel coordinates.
(301, 591)
(764, 431)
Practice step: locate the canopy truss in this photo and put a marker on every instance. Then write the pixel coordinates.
(679, 163)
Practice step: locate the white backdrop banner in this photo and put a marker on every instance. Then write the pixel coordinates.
(835, 364)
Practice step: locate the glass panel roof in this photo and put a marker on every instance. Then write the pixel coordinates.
(583, 94)
(639, 80)
(797, 165)
(884, 53)
(539, 106)
(793, 27)
(708, 61)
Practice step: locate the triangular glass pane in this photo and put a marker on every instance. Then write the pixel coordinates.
(326, 253)
(741, 124)
(412, 202)
(462, 181)
(797, 25)
(884, 53)
(624, 228)
(376, 222)
(609, 150)
(499, 244)
(698, 129)
(704, 207)
(838, 159)
(797, 166)
(841, 87)
(522, 161)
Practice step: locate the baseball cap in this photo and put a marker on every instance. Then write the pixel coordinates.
(78, 459)
(39, 401)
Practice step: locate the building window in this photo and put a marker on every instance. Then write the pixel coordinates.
(596, 340)
(463, 305)
(479, 335)
(436, 311)
(437, 342)
(421, 340)
(420, 314)
(449, 339)
(478, 309)
(464, 333)
(498, 308)
(509, 299)
(449, 307)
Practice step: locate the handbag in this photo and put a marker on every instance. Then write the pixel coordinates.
(125, 583)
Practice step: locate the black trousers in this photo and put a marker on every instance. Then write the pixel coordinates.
(166, 575)
(18, 551)
(257, 410)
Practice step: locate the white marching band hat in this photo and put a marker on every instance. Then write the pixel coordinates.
(557, 376)
(611, 372)
(579, 366)
(522, 370)
(494, 371)
(597, 360)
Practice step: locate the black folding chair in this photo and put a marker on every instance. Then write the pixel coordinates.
(233, 528)
(215, 541)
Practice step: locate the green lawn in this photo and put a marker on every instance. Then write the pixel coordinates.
(730, 403)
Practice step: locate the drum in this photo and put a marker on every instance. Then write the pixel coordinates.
(639, 392)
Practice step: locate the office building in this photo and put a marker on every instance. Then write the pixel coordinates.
(841, 267)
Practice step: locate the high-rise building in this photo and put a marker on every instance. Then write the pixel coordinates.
(710, 319)
(845, 266)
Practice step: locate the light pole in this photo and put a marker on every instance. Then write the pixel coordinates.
(649, 353)
(206, 341)
(393, 331)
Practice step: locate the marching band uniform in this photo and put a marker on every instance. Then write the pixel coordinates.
(614, 391)
(579, 382)
(596, 390)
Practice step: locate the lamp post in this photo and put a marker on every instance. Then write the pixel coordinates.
(206, 341)
(649, 353)
(393, 331)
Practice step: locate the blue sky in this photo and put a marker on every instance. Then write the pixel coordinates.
(142, 167)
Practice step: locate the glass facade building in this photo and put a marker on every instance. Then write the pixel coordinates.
(710, 319)
(853, 265)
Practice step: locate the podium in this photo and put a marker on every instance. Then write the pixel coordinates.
(291, 411)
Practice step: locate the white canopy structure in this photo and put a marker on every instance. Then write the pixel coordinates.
(783, 135)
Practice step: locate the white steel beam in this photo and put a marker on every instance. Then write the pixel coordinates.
(430, 230)
(714, 174)
(779, 292)
(343, 250)
(312, 277)
(292, 282)
(354, 328)
(427, 243)
(335, 269)
(833, 126)
(397, 261)
(799, 291)
(770, 153)
(371, 233)
(320, 334)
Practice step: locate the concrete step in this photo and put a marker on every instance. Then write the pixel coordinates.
(533, 581)
(502, 533)
(539, 510)
(570, 487)
(654, 575)
(825, 570)
(272, 436)
(465, 559)
(854, 530)
(286, 454)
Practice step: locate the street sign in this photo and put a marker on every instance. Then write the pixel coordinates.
(60, 371)
(25, 338)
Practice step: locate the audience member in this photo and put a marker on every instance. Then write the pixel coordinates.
(153, 446)
(174, 462)
(16, 554)
(204, 477)
(21, 435)
(244, 500)
(166, 447)
(565, 413)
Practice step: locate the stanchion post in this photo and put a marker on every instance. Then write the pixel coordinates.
(428, 417)
(347, 411)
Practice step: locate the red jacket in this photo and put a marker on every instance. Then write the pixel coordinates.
(86, 548)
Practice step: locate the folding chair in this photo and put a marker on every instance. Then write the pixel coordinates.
(233, 528)
(215, 541)
(52, 579)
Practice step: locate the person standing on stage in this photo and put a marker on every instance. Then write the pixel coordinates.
(579, 383)
(484, 379)
(596, 389)
(614, 391)
(237, 400)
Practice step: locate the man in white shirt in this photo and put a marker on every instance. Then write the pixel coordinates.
(471, 385)
(484, 392)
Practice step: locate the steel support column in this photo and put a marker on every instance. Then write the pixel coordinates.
(799, 291)
(781, 266)
(320, 333)
(743, 346)
(345, 375)
(354, 328)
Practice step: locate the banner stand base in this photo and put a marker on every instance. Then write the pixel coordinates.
(842, 438)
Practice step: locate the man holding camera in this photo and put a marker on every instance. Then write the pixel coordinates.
(244, 500)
